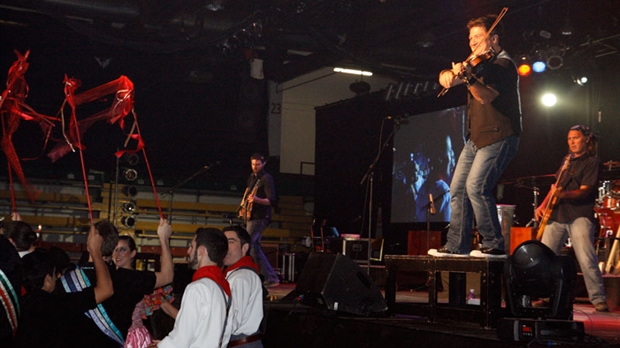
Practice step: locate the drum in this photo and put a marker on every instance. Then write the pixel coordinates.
(609, 194)
(609, 220)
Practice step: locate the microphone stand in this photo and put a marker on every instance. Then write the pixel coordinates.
(370, 176)
(180, 184)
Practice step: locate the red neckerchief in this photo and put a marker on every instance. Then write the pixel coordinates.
(245, 261)
(214, 273)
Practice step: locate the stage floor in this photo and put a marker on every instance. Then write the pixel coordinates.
(290, 323)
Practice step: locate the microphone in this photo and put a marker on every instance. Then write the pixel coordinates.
(431, 204)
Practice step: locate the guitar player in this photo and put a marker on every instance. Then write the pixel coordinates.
(573, 214)
(256, 208)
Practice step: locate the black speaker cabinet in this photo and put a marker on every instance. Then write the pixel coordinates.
(336, 282)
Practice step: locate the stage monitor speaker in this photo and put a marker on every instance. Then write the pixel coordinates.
(336, 282)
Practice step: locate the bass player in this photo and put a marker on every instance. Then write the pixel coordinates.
(256, 209)
(573, 214)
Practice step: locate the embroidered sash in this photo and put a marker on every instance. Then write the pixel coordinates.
(76, 281)
(9, 300)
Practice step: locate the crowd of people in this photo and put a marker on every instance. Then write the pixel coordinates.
(49, 301)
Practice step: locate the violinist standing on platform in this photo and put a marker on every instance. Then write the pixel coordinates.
(493, 128)
(261, 197)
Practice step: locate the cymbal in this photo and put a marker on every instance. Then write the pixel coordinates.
(611, 164)
(527, 179)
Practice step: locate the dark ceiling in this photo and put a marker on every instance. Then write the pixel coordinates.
(187, 59)
(399, 38)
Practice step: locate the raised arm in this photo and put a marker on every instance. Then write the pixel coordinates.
(166, 274)
(104, 288)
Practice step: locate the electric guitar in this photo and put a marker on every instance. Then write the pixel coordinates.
(554, 199)
(245, 209)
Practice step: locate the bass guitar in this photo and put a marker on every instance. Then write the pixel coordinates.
(554, 199)
(245, 209)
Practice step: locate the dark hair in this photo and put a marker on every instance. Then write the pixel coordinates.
(215, 241)
(242, 234)
(109, 233)
(61, 260)
(258, 156)
(486, 22)
(592, 142)
(130, 242)
(35, 266)
(21, 234)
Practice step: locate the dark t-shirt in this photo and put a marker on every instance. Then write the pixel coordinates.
(47, 320)
(130, 286)
(266, 189)
(583, 170)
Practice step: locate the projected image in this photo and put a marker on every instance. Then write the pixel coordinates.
(425, 152)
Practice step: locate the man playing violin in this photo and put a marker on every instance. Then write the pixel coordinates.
(493, 128)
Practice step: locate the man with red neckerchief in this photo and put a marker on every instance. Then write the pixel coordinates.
(201, 320)
(246, 311)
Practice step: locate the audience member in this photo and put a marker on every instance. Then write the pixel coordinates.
(138, 336)
(10, 286)
(246, 310)
(130, 286)
(201, 320)
(46, 319)
(22, 236)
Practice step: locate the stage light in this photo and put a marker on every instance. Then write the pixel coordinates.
(130, 174)
(129, 191)
(128, 221)
(555, 62)
(581, 81)
(128, 207)
(353, 71)
(549, 99)
(539, 66)
(524, 67)
(533, 271)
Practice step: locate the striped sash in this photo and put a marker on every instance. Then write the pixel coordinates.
(76, 281)
(9, 300)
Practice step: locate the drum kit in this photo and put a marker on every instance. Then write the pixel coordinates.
(608, 203)
(607, 209)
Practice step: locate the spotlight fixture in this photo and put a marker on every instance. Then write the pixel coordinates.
(581, 81)
(128, 221)
(129, 191)
(524, 68)
(128, 207)
(353, 71)
(539, 66)
(555, 62)
(130, 174)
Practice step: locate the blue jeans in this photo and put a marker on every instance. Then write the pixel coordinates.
(581, 233)
(255, 229)
(475, 176)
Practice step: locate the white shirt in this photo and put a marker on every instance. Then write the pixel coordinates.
(246, 308)
(201, 318)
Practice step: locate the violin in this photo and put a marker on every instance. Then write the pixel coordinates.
(475, 63)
